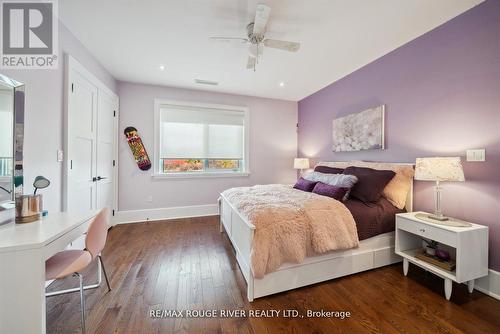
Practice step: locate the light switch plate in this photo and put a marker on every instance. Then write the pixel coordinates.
(476, 155)
(60, 155)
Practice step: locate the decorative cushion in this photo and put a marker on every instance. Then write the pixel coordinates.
(371, 182)
(338, 180)
(305, 185)
(328, 170)
(334, 192)
(396, 191)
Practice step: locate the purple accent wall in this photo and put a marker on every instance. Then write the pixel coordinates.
(442, 96)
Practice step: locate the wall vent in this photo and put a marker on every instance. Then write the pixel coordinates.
(206, 82)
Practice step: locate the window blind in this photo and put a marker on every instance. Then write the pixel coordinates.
(201, 133)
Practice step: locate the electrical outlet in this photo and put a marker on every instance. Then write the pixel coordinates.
(60, 156)
(476, 155)
(149, 199)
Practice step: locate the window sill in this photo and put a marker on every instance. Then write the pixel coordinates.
(198, 175)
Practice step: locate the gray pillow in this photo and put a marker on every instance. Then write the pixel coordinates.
(337, 180)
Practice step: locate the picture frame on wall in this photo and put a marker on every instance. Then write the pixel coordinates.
(359, 131)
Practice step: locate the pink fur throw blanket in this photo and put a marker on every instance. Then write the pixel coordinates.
(291, 224)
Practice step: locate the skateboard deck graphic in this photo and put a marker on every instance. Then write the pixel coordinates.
(137, 147)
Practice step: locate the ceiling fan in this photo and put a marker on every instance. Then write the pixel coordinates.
(256, 37)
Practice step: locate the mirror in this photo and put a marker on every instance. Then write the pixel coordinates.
(11, 145)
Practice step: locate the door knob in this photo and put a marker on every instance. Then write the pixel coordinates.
(99, 178)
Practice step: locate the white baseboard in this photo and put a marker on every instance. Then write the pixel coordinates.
(490, 284)
(134, 216)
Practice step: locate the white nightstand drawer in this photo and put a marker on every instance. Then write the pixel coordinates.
(426, 231)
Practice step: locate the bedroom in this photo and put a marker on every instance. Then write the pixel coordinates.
(192, 124)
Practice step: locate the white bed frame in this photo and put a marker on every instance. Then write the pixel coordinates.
(372, 253)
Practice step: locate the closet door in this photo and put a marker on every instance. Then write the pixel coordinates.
(106, 143)
(82, 111)
(91, 141)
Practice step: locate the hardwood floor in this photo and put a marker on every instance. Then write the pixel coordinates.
(188, 264)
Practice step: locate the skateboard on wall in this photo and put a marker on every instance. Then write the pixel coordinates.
(137, 147)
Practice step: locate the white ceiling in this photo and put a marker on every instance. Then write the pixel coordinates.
(132, 38)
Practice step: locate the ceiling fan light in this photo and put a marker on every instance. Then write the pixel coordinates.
(255, 50)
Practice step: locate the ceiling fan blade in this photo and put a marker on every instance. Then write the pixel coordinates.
(229, 39)
(282, 45)
(261, 18)
(251, 63)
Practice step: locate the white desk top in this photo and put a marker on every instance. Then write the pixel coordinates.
(38, 234)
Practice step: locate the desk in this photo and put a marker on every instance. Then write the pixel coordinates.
(23, 251)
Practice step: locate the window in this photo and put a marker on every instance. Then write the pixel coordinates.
(195, 139)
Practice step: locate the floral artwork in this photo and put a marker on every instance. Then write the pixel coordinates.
(359, 131)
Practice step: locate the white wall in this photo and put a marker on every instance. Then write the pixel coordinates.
(273, 145)
(44, 109)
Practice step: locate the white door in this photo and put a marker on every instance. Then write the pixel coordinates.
(82, 111)
(91, 140)
(106, 143)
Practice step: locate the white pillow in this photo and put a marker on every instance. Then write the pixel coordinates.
(338, 180)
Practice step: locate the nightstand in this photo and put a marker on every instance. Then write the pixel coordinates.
(467, 245)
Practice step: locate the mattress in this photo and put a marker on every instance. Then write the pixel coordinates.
(373, 218)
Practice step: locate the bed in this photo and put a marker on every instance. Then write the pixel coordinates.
(376, 249)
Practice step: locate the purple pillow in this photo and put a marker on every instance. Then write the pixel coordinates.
(371, 182)
(305, 185)
(334, 192)
(328, 170)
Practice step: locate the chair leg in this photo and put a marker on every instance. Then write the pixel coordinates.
(104, 271)
(82, 301)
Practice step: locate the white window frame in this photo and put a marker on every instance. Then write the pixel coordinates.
(157, 173)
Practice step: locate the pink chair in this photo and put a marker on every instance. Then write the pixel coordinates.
(72, 262)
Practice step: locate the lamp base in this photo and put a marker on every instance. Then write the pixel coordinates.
(28, 208)
(28, 219)
(441, 218)
(449, 222)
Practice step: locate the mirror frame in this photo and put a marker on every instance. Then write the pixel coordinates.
(7, 208)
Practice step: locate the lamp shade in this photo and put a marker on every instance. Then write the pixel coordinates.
(439, 169)
(41, 182)
(301, 163)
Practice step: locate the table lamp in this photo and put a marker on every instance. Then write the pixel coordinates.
(439, 169)
(301, 163)
(29, 208)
